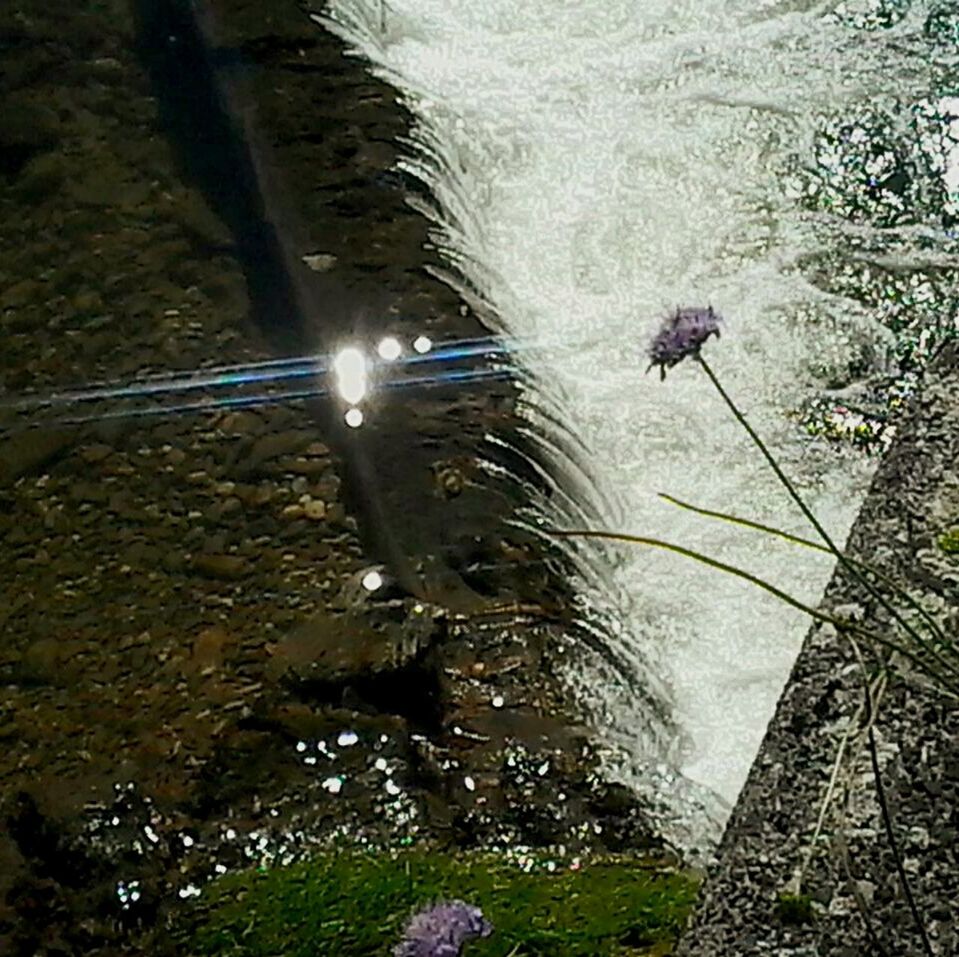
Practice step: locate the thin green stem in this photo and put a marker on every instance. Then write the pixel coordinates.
(838, 623)
(745, 522)
(773, 464)
(797, 498)
(938, 635)
(884, 806)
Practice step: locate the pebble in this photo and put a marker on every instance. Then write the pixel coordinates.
(228, 567)
(282, 443)
(96, 453)
(315, 509)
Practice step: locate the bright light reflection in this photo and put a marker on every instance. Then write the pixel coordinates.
(372, 580)
(334, 785)
(354, 418)
(389, 349)
(350, 368)
(422, 344)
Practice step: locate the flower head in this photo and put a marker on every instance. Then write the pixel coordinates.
(682, 334)
(441, 930)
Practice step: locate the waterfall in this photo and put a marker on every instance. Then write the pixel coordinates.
(599, 163)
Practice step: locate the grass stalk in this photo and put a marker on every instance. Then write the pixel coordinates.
(884, 805)
(939, 637)
(784, 480)
(839, 624)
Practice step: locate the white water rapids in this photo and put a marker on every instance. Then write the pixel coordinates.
(600, 162)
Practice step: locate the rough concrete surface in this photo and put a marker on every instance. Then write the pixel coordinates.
(857, 905)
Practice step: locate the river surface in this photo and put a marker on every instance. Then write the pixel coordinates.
(793, 164)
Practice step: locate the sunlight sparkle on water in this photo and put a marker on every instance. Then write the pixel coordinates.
(372, 580)
(389, 348)
(351, 378)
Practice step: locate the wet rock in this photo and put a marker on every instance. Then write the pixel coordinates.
(273, 446)
(314, 509)
(41, 177)
(93, 454)
(45, 662)
(215, 544)
(241, 423)
(320, 262)
(208, 648)
(21, 294)
(198, 220)
(142, 554)
(306, 467)
(263, 494)
(87, 301)
(110, 184)
(29, 452)
(231, 506)
(172, 561)
(89, 492)
(333, 648)
(226, 567)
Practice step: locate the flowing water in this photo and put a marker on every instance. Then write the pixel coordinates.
(598, 163)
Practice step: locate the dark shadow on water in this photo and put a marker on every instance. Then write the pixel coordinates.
(189, 78)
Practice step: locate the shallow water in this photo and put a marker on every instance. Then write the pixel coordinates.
(599, 163)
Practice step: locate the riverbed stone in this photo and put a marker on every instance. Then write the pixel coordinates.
(229, 567)
(29, 452)
(273, 446)
(314, 509)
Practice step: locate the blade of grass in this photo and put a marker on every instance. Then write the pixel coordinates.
(884, 806)
(804, 508)
(932, 624)
(838, 623)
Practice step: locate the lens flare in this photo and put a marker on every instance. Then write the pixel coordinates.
(389, 349)
(349, 366)
(372, 580)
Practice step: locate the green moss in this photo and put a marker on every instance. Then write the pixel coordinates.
(949, 541)
(355, 903)
(795, 909)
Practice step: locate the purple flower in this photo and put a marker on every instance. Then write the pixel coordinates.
(441, 930)
(682, 334)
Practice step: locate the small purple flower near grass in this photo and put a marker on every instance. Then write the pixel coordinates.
(682, 334)
(441, 929)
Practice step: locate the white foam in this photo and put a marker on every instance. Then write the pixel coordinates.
(599, 163)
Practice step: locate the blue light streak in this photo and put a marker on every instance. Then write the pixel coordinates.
(233, 376)
(232, 402)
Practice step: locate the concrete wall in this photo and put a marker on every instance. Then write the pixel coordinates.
(914, 497)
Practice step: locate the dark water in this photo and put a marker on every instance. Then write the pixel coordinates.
(195, 676)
